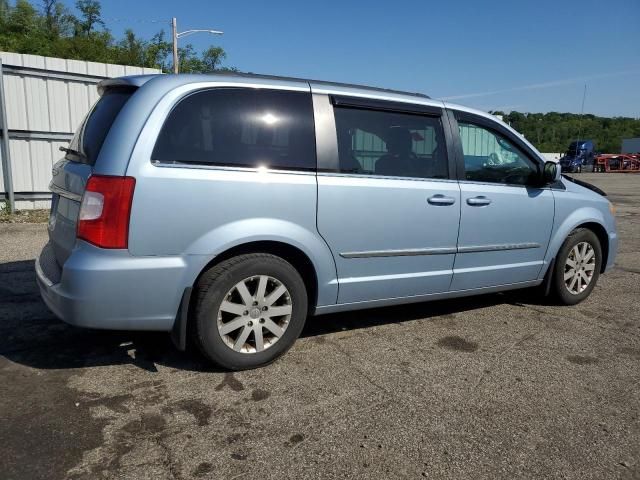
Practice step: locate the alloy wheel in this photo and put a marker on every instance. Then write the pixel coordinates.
(254, 314)
(579, 268)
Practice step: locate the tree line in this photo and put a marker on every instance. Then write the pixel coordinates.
(51, 29)
(553, 131)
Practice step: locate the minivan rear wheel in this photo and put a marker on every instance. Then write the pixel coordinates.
(577, 267)
(249, 310)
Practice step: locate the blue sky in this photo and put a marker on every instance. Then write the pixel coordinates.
(532, 55)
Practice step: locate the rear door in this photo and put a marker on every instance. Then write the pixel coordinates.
(71, 173)
(387, 206)
(506, 220)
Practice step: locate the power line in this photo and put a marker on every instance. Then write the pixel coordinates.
(135, 20)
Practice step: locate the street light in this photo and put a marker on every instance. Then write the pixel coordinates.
(176, 36)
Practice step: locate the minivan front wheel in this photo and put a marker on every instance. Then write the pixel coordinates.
(250, 310)
(577, 266)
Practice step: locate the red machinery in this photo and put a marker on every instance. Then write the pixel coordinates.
(618, 162)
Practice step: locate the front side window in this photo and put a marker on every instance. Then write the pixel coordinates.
(490, 157)
(391, 144)
(240, 127)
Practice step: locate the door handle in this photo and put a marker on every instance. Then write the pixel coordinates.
(480, 201)
(440, 199)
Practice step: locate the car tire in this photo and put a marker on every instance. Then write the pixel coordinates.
(244, 332)
(580, 254)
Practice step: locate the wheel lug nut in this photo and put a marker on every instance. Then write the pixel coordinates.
(262, 320)
(255, 303)
(245, 313)
(250, 323)
(265, 308)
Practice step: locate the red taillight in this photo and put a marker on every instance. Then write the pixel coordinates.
(104, 213)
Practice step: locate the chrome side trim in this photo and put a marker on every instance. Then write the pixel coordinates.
(439, 251)
(202, 166)
(384, 177)
(400, 253)
(64, 193)
(498, 248)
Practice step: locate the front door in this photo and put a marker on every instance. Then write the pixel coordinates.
(389, 212)
(506, 221)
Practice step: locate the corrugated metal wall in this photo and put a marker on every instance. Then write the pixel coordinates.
(45, 100)
(368, 147)
(477, 141)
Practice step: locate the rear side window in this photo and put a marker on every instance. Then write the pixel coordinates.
(87, 142)
(240, 127)
(372, 142)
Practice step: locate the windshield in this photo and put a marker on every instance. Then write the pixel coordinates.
(88, 139)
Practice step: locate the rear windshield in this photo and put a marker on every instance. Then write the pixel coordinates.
(87, 142)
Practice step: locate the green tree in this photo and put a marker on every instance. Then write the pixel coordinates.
(157, 52)
(52, 30)
(91, 15)
(554, 131)
(131, 50)
(57, 19)
(22, 31)
(212, 58)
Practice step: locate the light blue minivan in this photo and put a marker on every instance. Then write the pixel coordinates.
(228, 208)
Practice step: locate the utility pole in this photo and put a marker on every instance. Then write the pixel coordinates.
(176, 36)
(174, 27)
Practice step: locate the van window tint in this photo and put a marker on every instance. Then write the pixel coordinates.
(490, 157)
(240, 127)
(87, 142)
(388, 143)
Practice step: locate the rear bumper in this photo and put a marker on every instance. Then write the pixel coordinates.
(110, 289)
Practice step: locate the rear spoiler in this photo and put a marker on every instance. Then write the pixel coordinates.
(132, 81)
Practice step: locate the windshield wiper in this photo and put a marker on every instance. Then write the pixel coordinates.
(71, 151)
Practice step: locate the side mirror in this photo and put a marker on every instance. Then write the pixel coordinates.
(551, 173)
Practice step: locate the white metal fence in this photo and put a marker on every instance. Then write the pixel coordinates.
(42, 102)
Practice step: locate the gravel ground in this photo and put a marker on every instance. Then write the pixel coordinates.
(24, 216)
(498, 386)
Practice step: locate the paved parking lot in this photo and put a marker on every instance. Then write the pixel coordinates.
(501, 386)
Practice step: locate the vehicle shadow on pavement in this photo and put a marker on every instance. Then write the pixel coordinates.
(357, 319)
(31, 335)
